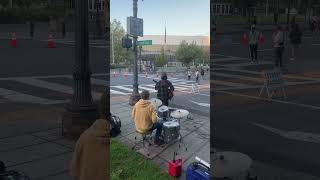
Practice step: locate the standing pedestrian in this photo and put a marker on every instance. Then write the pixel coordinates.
(253, 43)
(165, 89)
(278, 44)
(202, 74)
(197, 76)
(295, 39)
(189, 74)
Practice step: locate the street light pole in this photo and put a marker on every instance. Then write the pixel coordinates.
(81, 112)
(112, 47)
(135, 93)
(98, 18)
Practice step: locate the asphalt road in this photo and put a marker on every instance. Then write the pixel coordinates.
(33, 58)
(283, 132)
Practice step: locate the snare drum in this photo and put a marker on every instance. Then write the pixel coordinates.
(170, 131)
(163, 112)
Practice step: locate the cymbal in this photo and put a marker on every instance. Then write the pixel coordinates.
(156, 102)
(228, 164)
(179, 113)
(163, 109)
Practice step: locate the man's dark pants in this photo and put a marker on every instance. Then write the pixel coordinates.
(278, 56)
(254, 51)
(157, 126)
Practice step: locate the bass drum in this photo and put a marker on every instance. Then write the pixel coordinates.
(171, 131)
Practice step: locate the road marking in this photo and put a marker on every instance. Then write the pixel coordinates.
(53, 86)
(226, 83)
(272, 100)
(265, 50)
(238, 77)
(49, 76)
(149, 89)
(315, 44)
(21, 97)
(294, 135)
(117, 92)
(200, 104)
(124, 88)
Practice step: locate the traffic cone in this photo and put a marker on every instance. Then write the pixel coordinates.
(13, 40)
(245, 38)
(51, 42)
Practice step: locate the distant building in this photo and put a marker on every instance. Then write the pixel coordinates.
(149, 53)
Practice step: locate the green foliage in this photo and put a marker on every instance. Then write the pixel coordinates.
(161, 59)
(127, 164)
(117, 33)
(187, 53)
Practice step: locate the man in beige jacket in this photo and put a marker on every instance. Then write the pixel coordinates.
(144, 115)
(91, 156)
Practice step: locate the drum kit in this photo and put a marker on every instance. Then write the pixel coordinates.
(170, 117)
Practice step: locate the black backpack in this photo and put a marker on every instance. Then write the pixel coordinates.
(11, 174)
(115, 123)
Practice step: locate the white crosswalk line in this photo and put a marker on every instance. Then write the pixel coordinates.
(21, 97)
(124, 88)
(117, 92)
(149, 89)
(52, 86)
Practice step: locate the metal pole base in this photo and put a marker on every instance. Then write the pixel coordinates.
(77, 119)
(134, 98)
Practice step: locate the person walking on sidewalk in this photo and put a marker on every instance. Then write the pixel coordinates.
(253, 43)
(144, 114)
(278, 44)
(91, 155)
(295, 39)
(165, 89)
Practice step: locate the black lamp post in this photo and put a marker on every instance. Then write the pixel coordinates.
(81, 112)
(98, 25)
(135, 93)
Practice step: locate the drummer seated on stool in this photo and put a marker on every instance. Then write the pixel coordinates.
(144, 115)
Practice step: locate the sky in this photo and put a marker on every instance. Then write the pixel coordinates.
(181, 17)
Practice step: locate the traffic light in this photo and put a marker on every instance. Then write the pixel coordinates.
(126, 42)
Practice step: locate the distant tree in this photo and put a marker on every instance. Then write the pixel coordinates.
(161, 59)
(4, 3)
(187, 53)
(117, 33)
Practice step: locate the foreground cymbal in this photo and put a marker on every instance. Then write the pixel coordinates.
(228, 164)
(163, 109)
(179, 113)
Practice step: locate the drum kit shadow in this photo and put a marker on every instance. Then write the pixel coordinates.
(228, 164)
(170, 118)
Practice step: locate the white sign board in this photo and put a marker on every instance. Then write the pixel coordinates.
(273, 81)
(135, 26)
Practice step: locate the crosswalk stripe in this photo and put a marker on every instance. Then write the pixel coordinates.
(238, 77)
(226, 83)
(53, 86)
(124, 88)
(21, 97)
(149, 89)
(117, 92)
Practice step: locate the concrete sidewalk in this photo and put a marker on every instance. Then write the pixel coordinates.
(31, 141)
(195, 133)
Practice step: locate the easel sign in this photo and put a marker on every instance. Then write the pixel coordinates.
(273, 81)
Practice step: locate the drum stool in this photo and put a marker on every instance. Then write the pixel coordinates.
(146, 138)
